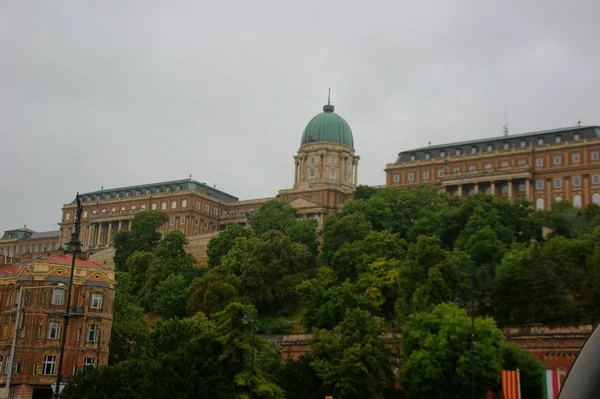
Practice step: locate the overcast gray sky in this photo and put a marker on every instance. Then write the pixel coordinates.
(126, 92)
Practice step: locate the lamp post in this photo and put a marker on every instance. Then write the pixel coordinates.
(18, 319)
(75, 247)
(459, 301)
(245, 321)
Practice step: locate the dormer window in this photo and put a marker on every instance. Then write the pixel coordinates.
(576, 136)
(490, 147)
(540, 141)
(442, 153)
(523, 143)
(557, 139)
(473, 150)
(506, 145)
(413, 157)
(458, 152)
(427, 155)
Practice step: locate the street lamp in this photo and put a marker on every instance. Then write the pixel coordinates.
(245, 321)
(18, 319)
(74, 247)
(487, 302)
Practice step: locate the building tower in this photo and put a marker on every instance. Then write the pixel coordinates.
(325, 173)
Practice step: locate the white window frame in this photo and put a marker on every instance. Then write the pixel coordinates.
(332, 160)
(49, 365)
(488, 166)
(595, 155)
(540, 141)
(490, 147)
(425, 175)
(53, 330)
(172, 222)
(522, 162)
(539, 162)
(427, 155)
(557, 182)
(411, 177)
(215, 211)
(575, 158)
(154, 206)
(312, 174)
(576, 136)
(163, 205)
(96, 300)
(173, 204)
(58, 296)
(472, 168)
(93, 331)
(456, 170)
(396, 178)
(441, 172)
(89, 362)
(523, 143)
(539, 184)
(206, 208)
(181, 220)
(504, 165)
(576, 181)
(442, 154)
(184, 203)
(332, 174)
(558, 139)
(557, 160)
(596, 179)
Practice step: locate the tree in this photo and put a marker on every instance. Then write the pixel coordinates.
(221, 244)
(142, 237)
(436, 354)
(379, 284)
(340, 230)
(129, 329)
(213, 291)
(270, 266)
(326, 303)
(273, 215)
(353, 360)
(364, 192)
(171, 296)
(236, 339)
(530, 369)
(300, 380)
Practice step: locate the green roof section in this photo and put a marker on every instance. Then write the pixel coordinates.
(144, 189)
(328, 127)
(500, 138)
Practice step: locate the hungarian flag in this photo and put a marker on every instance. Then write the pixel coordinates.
(511, 384)
(551, 384)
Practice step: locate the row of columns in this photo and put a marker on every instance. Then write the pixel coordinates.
(492, 186)
(301, 169)
(96, 232)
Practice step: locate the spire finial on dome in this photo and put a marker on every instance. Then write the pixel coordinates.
(328, 107)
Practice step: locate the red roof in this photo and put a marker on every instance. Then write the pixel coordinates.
(55, 260)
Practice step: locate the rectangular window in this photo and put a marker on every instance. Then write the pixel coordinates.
(541, 141)
(539, 162)
(576, 181)
(504, 164)
(123, 208)
(396, 178)
(522, 162)
(411, 177)
(92, 334)
(58, 297)
(558, 182)
(427, 155)
(172, 222)
(133, 207)
(89, 362)
(456, 170)
(163, 206)
(441, 172)
(143, 206)
(595, 179)
(173, 204)
(154, 206)
(521, 187)
(49, 365)
(488, 166)
(333, 160)
(576, 136)
(96, 302)
(575, 158)
(442, 154)
(53, 328)
(182, 220)
(184, 203)
(332, 174)
(197, 222)
(595, 155)
(557, 160)
(85, 214)
(523, 143)
(113, 209)
(205, 225)
(197, 204)
(206, 208)
(425, 175)
(312, 174)
(539, 184)
(216, 211)
(67, 216)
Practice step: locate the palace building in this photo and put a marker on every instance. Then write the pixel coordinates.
(325, 175)
(25, 244)
(542, 167)
(35, 318)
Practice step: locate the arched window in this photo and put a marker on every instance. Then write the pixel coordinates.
(596, 198)
(540, 204)
(558, 199)
(577, 201)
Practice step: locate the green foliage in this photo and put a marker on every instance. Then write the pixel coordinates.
(530, 369)
(300, 380)
(273, 215)
(142, 237)
(364, 192)
(213, 291)
(129, 329)
(436, 358)
(341, 230)
(353, 360)
(220, 245)
(171, 296)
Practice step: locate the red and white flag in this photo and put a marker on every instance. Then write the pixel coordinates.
(551, 384)
(511, 384)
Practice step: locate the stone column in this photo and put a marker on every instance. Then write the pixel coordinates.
(460, 190)
(296, 173)
(343, 177)
(493, 188)
(120, 226)
(99, 234)
(90, 237)
(129, 225)
(586, 189)
(548, 187)
(528, 189)
(108, 238)
(476, 185)
(567, 188)
(510, 188)
(356, 173)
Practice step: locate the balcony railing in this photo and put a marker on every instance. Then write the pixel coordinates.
(487, 174)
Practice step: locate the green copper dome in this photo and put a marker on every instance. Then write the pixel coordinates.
(328, 127)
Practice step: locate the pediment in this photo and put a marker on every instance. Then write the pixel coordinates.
(301, 203)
